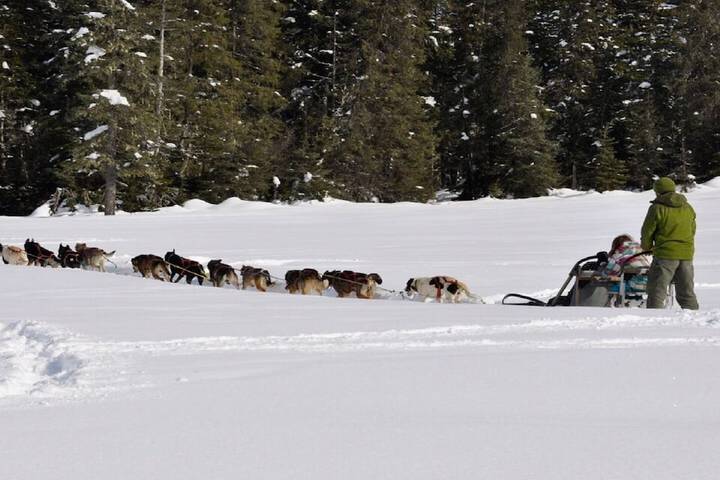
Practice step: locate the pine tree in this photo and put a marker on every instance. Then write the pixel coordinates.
(390, 145)
(697, 102)
(574, 44)
(464, 95)
(262, 137)
(324, 69)
(115, 152)
(523, 155)
(610, 173)
(26, 178)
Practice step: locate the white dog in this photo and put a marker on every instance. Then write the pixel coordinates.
(13, 255)
(440, 288)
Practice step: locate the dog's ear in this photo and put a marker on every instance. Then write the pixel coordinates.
(409, 285)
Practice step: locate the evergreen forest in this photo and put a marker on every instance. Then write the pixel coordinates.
(139, 104)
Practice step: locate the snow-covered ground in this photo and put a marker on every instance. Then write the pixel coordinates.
(109, 376)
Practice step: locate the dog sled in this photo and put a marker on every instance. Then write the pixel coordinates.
(591, 289)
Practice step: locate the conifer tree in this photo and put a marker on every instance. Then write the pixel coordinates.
(610, 172)
(114, 153)
(465, 97)
(575, 45)
(697, 122)
(324, 66)
(261, 139)
(523, 155)
(390, 146)
(26, 178)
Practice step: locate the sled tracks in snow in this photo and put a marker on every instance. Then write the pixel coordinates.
(41, 363)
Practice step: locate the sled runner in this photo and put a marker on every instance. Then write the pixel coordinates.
(591, 289)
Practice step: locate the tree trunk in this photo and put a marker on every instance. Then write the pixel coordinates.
(111, 182)
(574, 181)
(161, 68)
(110, 173)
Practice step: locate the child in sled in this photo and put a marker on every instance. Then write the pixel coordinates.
(622, 254)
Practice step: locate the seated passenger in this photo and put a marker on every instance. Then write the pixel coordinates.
(621, 255)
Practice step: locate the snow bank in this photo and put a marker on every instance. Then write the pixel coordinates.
(42, 211)
(714, 183)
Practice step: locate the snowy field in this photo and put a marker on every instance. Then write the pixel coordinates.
(110, 376)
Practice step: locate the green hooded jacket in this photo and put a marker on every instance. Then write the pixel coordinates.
(669, 227)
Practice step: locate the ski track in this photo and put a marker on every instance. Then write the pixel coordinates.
(41, 362)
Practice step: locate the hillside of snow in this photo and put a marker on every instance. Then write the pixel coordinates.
(107, 375)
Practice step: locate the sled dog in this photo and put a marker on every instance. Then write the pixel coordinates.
(38, 255)
(151, 266)
(441, 288)
(256, 277)
(221, 273)
(92, 257)
(347, 282)
(305, 281)
(68, 257)
(12, 255)
(184, 267)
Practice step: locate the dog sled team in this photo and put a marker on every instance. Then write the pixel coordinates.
(618, 278)
(173, 268)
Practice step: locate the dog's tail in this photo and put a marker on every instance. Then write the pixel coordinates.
(106, 258)
(109, 254)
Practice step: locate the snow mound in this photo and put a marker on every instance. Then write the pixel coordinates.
(714, 183)
(42, 211)
(230, 205)
(196, 204)
(568, 192)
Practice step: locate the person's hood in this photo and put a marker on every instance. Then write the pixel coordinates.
(671, 199)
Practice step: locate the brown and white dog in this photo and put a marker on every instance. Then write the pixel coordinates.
(221, 273)
(151, 266)
(256, 277)
(92, 257)
(38, 255)
(347, 282)
(305, 281)
(12, 255)
(440, 288)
